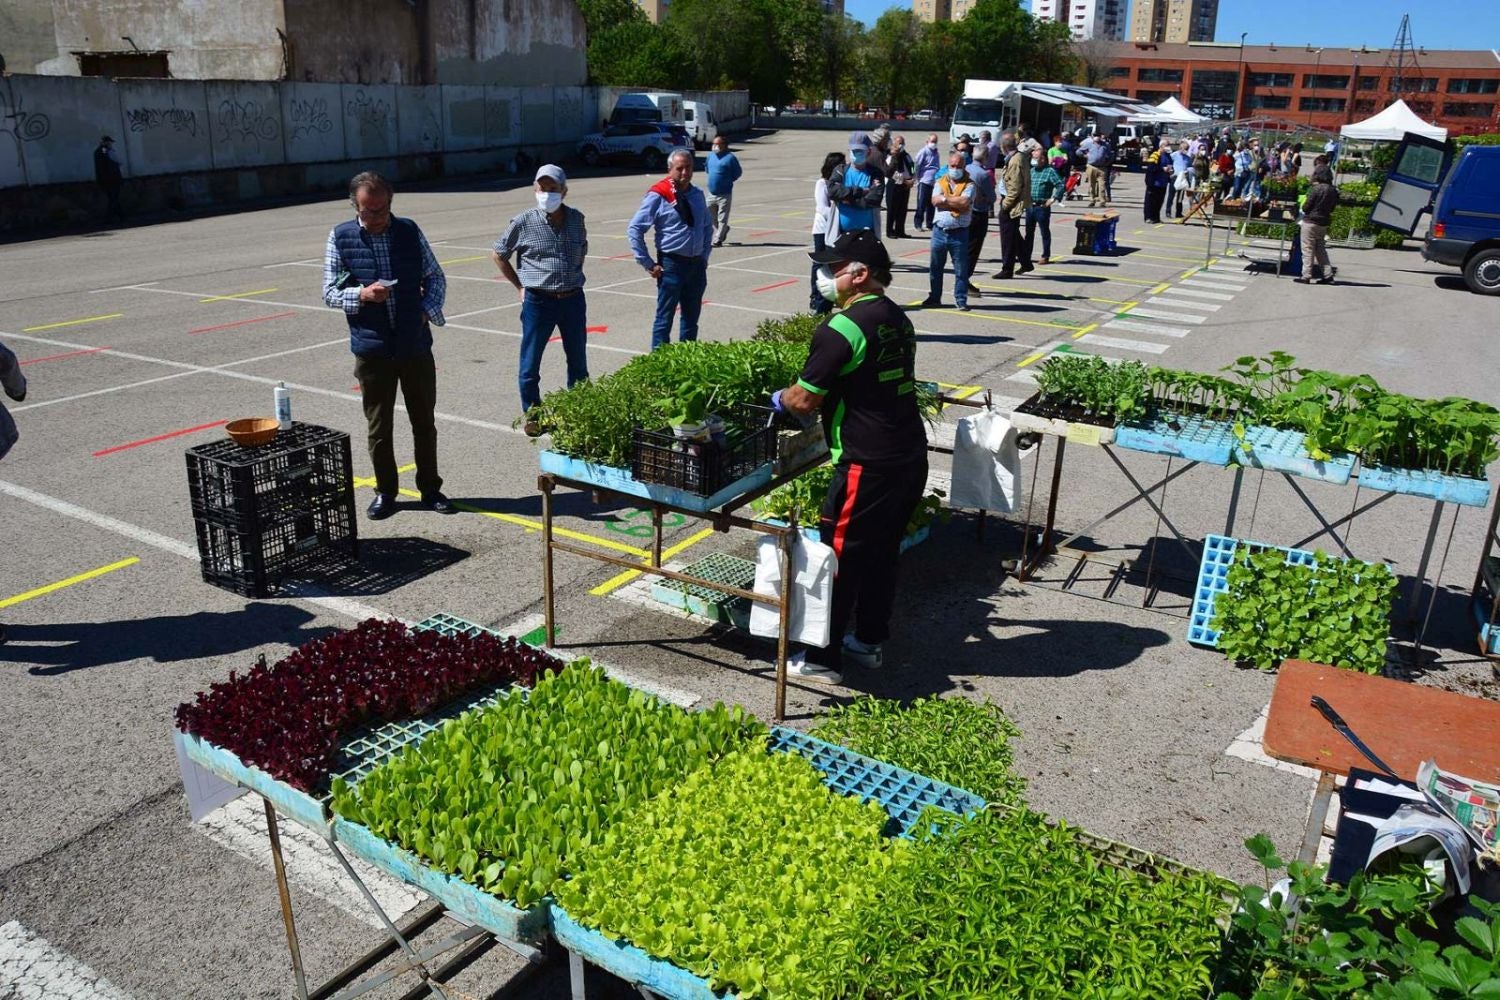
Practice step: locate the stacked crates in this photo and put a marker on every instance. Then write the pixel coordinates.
(267, 512)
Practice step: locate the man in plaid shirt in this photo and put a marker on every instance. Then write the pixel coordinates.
(380, 271)
(550, 243)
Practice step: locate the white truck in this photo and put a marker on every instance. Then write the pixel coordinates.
(987, 105)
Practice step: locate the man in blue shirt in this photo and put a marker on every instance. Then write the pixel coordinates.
(928, 161)
(683, 235)
(983, 205)
(723, 170)
(857, 188)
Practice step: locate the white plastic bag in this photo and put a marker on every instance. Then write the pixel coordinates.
(986, 464)
(813, 566)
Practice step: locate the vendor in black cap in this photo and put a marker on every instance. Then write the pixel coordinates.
(860, 373)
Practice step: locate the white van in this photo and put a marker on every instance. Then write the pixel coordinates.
(656, 106)
(698, 119)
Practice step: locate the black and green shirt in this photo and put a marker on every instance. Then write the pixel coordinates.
(863, 362)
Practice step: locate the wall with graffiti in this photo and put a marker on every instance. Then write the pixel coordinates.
(49, 125)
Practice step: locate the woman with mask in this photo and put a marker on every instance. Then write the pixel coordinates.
(1046, 188)
(825, 230)
(900, 168)
(857, 188)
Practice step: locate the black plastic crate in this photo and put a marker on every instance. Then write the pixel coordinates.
(704, 469)
(304, 469)
(254, 563)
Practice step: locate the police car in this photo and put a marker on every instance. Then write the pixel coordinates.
(647, 143)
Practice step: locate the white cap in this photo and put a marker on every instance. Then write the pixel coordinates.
(553, 171)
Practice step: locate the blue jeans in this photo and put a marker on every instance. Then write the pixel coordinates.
(946, 242)
(1039, 217)
(683, 282)
(540, 315)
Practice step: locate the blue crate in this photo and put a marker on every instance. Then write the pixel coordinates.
(1489, 636)
(1211, 442)
(1426, 483)
(630, 963)
(1213, 580)
(1286, 451)
(465, 901)
(620, 480)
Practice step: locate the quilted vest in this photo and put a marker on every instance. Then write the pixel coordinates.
(371, 334)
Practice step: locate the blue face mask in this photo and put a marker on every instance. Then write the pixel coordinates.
(859, 157)
(956, 173)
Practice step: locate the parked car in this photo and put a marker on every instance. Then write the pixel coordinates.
(1463, 195)
(925, 115)
(645, 142)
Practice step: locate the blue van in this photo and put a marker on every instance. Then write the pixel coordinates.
(1463, 194)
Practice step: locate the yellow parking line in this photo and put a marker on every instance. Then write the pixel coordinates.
(1160, 288)
(1189, 273)
(969, 390)
(1157, 256)
(1113, 302)
(620, 580)
(1028, 360)
(1080, 333)
(239, 295)
(60, 584)
(70, 322)
(463, 260)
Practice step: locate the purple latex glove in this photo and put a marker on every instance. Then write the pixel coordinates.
(776, 404)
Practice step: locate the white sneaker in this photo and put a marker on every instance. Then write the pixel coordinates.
(797, 666)
(868, 656)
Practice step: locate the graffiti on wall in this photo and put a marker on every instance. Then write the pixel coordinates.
(246, 121)
(309, 118)
(176, 119)
(370, 113)
(18, 123)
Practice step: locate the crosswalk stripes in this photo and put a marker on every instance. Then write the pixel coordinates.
(1215, 284)
(1175, 317)
(1199, 294)
(1162, 300)
(1160, 329)
(1120, 343)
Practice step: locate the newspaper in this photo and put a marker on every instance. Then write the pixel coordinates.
(1473, 805)
(1423, 834)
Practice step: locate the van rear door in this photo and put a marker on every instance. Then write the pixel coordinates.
(1416, 173)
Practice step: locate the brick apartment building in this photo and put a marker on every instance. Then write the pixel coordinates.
(1326, 88)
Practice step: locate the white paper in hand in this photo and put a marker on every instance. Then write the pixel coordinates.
(986, 464)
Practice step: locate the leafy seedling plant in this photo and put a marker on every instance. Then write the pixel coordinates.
(506, 797)
(1336, 611)
(1372, 939)
(805, 495)
(749, 874)
(962, 742)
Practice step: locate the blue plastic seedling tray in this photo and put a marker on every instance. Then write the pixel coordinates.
(1426, 483)
(1213, 580)
(1286, 451)
(362, 752)
(1489, 636)
(620, 480)
(903, 795)
(1211, 442)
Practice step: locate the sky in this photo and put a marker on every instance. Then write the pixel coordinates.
(1331, 22)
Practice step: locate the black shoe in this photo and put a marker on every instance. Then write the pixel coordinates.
(439, 503)
(1304, 281)
(930, 303)
(382, 507)
(973, 290)
(532, 429)
(1002, 275)
(1326, 280)
(2, 635)
(1024, 268)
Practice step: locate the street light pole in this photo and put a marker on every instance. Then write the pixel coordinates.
(1317, 63)
(1239, 76)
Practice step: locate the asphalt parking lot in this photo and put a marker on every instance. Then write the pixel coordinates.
(141, 342)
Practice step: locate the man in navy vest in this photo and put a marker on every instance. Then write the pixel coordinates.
(380, 271)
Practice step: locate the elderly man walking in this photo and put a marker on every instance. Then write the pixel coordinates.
(380, 271)
(551, 243)
(684, 236)
(723, 170)
(954, 200)
(1096, 158)
(984, 204)
(1012, 209)
(928, 162)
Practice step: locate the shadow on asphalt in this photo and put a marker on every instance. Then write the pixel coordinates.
(64, 647)
(387, 564)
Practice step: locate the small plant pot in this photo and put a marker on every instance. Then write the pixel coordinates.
(694, 432)
(715, 426)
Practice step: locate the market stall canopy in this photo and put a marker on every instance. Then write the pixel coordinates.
(1393, 123)
(1092, 101)
(1178, 113)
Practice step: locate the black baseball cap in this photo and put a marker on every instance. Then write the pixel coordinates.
(862, 245)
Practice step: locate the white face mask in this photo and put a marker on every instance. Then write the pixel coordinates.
(827, 283)
(549, 201)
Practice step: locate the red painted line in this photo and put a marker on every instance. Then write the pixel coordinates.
(766, 232)
(587, 329)
(59, 357)
(779, 284)
(159, 437)
(913, 253)
(242, 322)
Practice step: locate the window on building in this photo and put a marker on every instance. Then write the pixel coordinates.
(1369, 83)
(1119, 71)
(1468, 109)
(1471, 86)
(1213, 86)
(1270, 102)
(1420, 107)
(1364, 104)
(1321, 104)
(1154, 96)
(123, 64)
(1153, 74)
(1271, 79)
(1417, 85)
(1325, 81)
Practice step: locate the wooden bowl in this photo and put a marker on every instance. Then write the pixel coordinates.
(253, 431)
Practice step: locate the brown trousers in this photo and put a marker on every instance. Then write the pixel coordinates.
(417, 379)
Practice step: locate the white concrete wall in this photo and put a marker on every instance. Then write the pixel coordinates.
(49, 125)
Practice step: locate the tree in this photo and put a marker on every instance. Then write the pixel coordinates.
(599, 15)
(635, 54)
(830, 58)
(749, 44)
(940, 65)
(1095, 58)
(889, 54)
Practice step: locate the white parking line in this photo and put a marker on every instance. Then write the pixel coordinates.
(1120, 343)
(1162, 300)
(1195, 293)
(32, 969)
(1160, 329)
(1216, 285)
(1165, 314)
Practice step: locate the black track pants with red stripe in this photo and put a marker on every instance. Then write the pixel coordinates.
(864, 520)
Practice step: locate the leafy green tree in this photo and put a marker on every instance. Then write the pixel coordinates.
(601, 14)
(636, 53)
(830, 59)
(890, 53)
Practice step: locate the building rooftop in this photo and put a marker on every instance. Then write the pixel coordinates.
(1302, 53)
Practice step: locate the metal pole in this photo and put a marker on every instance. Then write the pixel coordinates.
(1416, 583)
(656, 536)
(549, 622)
(784, 557)
(285, 895)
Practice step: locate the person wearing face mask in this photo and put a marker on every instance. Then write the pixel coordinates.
(1046, 188)
(1013, 207)
(984, 204)
(857, 188)
(683, 235)
(897, 189)
(551, 242)
(861, 373)
(379, 269)
(954, 199)
(825, 228)
(928, 162)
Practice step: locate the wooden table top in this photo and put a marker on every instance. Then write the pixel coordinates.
(1403, 723)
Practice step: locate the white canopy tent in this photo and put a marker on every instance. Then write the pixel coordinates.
(1391, 124)
(1174, 111)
